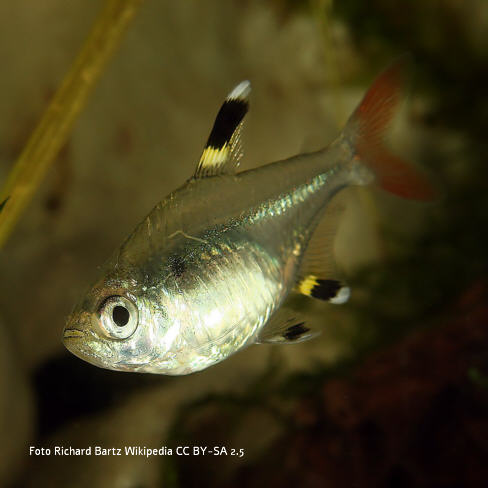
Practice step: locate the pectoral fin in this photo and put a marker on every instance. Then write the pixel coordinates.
(222, 151)
(286, 328)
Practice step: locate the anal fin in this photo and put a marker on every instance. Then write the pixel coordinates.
(333, 291)
(318, 275)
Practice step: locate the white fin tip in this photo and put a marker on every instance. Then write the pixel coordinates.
(342, 296)
(241, 91)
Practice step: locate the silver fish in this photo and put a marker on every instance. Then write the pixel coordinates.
(205, 273)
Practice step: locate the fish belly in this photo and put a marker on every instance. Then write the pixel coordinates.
(237, 285)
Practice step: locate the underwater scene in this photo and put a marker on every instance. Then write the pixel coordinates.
(244, 243)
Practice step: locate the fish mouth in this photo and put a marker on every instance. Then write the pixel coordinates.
(72, 333)
(80, 343)
(73, 341)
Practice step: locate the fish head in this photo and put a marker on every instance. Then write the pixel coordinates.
(117, 324)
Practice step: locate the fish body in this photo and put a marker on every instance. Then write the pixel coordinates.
(206, 272)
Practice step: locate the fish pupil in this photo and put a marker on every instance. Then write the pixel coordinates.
(120, 316)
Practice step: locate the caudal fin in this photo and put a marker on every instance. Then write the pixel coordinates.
(366, 129)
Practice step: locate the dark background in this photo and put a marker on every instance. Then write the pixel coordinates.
(395, 391)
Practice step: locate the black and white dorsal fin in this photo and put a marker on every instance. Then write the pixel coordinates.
(318, 274)
(222, 151)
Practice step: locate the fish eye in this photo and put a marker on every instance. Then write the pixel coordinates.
(120, 315)
(117, 316)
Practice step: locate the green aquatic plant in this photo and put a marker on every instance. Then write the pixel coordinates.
(57, 121)
(3, 204)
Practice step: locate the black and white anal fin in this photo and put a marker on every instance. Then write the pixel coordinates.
(222, 151)
(284, 328)
(318, 276)
(332, 291)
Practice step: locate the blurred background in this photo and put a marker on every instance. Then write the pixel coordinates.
(394, 393)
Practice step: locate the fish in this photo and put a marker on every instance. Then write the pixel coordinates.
(210, 269)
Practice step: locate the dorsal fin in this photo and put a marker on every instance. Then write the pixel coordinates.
(222, 151)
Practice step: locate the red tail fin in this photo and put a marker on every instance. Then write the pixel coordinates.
(369, 123)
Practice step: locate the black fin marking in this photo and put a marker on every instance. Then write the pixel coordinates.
(223, 145)
(3, 203)
(286, 327)
(332, 291)
(228, 119)
(296, 331)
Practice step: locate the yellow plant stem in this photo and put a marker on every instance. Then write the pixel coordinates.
(55, 125)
